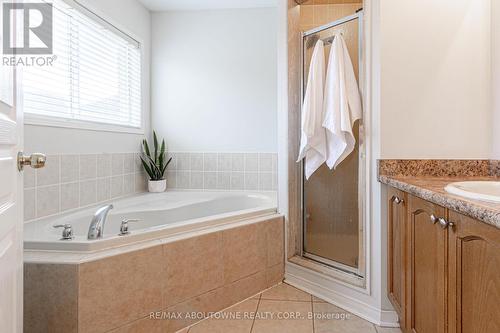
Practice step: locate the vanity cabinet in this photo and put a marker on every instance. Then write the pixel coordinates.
(396, 266)
(474, 276)
(443, 268)
(426, 273)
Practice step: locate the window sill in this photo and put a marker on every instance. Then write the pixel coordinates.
(35, 120)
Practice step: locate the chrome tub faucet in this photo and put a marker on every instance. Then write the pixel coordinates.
(96, 229)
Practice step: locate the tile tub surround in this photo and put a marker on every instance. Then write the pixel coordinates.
(223, 171)
(204, 273)
(69, 182)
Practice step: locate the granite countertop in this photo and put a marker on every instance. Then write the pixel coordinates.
(432, 189)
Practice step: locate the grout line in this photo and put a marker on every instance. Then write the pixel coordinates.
(36, 202)
(256, 311)
(78, 170)
(60, 187)
(284, 300)
(312, 312)
(229, 307)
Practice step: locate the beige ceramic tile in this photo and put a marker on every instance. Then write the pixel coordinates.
(192, 267)
(103, 189)
(275, 242)
(285, 292)
(88, 167)
(69, 196)
(144, 325)
(387, 330)
(50, 298)
(275, 275)
(117, 164)
(120, 289)
(246, 287)
(116, 186)
(141, 182)
(331, 319)
(307, 15)
(184, 330)
(203, 306)
(69, 168)
(47, 200)
(270, 317)
(103, 165)
(88, 192)
(129, 163)
(244, 251)
(29, 204)
(128, 184)
(237, 319)
(50, 174)
(321, 14)
(29, 176)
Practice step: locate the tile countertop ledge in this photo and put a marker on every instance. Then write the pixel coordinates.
(432, 189)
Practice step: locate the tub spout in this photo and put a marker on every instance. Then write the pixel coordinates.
(96, 229)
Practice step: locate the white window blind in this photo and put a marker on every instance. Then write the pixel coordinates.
(95, 78)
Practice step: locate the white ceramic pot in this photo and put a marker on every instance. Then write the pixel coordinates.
(157, 186)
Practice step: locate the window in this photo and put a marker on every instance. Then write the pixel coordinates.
(95, 79)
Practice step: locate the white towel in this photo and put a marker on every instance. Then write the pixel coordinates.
(313, 136)
(342, 104)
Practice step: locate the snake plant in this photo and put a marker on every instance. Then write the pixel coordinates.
(155, 164)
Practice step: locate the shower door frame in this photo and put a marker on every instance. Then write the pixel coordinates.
(360, 271)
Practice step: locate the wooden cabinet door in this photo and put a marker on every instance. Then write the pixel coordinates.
(474, 276)
(396, 240)
(426, 278)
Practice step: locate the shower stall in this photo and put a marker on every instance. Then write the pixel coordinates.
(333, 201)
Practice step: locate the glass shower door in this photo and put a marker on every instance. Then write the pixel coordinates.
(332, 199)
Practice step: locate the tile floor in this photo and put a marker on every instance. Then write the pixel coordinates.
(289, 310)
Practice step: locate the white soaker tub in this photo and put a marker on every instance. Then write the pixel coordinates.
(161, 215)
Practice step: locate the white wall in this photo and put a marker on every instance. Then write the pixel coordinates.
(495, 40)
(131, 17)
(435, 83)
(214, 81)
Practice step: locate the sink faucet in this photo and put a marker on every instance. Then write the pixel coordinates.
(96, 229)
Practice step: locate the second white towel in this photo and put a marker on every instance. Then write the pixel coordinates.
(342, 104)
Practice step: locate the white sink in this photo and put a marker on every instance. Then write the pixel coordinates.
(478, 190)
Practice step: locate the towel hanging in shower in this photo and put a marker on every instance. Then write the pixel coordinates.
(313, 136)
(342, 103)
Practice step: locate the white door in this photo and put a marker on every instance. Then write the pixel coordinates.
(11, 203)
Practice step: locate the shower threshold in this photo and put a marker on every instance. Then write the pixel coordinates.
(333, 264)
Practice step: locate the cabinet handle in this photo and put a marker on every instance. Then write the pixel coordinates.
(445, 224)
(434, 219)
(397, 200)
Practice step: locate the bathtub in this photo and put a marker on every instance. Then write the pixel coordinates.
(160, 216)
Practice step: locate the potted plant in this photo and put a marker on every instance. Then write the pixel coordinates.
(155, 165)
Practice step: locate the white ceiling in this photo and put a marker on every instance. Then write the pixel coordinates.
(160, 5)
